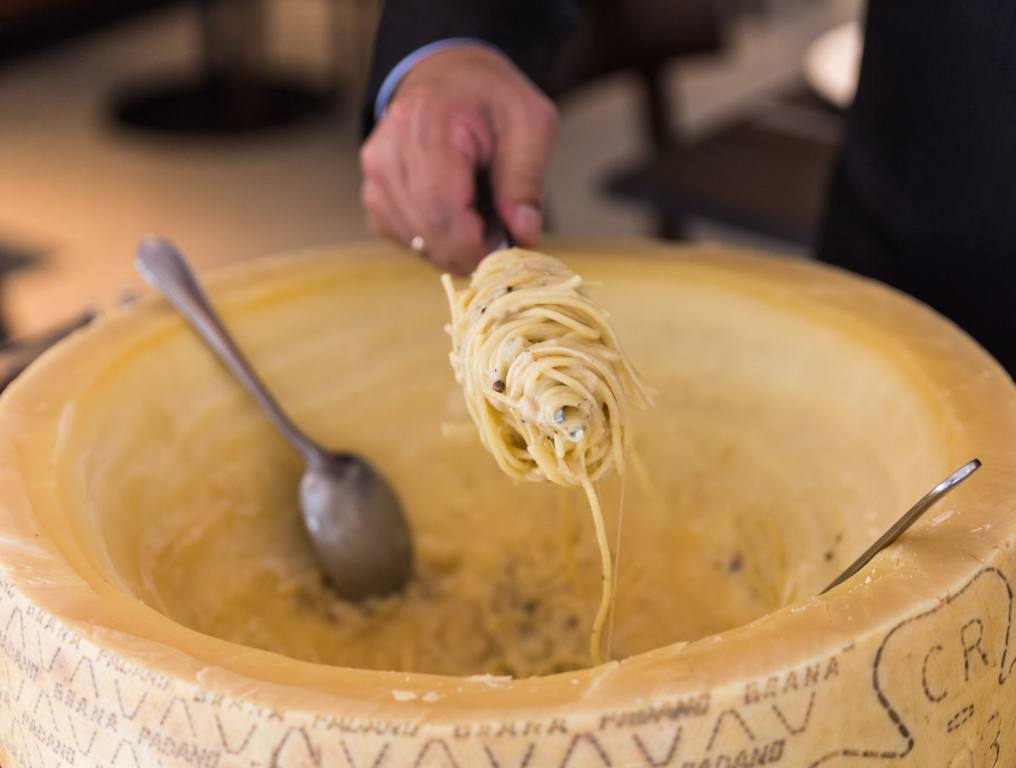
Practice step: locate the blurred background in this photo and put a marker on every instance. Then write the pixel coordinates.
(232, 126)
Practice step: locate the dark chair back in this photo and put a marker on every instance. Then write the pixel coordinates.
(640, 36)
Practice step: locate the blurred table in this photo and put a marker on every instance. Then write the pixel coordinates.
(17, 352)
(235, 89)
(30, 26)
(13, 259)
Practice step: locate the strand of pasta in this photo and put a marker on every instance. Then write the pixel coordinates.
(545, 381)
(617, 563)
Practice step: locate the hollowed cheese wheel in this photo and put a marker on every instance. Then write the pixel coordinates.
(850, 400)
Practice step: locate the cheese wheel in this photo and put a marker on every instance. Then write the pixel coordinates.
(800, 411)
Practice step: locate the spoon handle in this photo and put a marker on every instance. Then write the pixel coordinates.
(496, 234)
(912, 516)
(163, 267)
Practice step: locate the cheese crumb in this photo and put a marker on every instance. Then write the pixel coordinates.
(491, 681)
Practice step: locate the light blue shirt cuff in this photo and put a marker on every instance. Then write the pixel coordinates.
(400, 70)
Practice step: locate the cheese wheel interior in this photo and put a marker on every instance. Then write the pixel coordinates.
(780, 445)
(150, 551)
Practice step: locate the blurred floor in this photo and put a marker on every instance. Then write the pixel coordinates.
(82, 192)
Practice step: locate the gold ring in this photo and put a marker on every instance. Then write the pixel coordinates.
(418, 246)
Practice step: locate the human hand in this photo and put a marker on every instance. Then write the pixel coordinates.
(456, 111)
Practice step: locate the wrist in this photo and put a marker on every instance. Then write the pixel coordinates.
(421, 60)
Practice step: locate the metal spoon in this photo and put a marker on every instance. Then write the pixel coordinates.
(911, 517)
(356, 524)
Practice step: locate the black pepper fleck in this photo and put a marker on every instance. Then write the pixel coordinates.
(736, 563)
(509, 289)
(828, 557)
(499, 386)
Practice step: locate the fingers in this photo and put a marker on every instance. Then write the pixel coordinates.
(383, 191)
(521, 160)
(445, 147)
(383, 214)
(453, 112)
(418, 179)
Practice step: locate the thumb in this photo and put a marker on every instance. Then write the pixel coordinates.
(520, 162)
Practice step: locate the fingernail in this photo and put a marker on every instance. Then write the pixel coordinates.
(528, 222)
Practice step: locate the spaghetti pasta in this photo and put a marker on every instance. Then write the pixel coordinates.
(545, 381)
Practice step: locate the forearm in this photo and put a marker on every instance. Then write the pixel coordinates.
(527, 31)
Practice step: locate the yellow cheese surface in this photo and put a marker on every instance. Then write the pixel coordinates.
(196, 495)
(151, 550)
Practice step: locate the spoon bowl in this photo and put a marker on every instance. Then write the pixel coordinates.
(356, 526)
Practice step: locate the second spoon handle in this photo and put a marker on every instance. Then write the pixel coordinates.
(912, 516)
(162, 266)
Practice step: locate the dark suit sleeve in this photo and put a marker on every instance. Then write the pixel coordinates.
(924, 197)
(527, 31)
